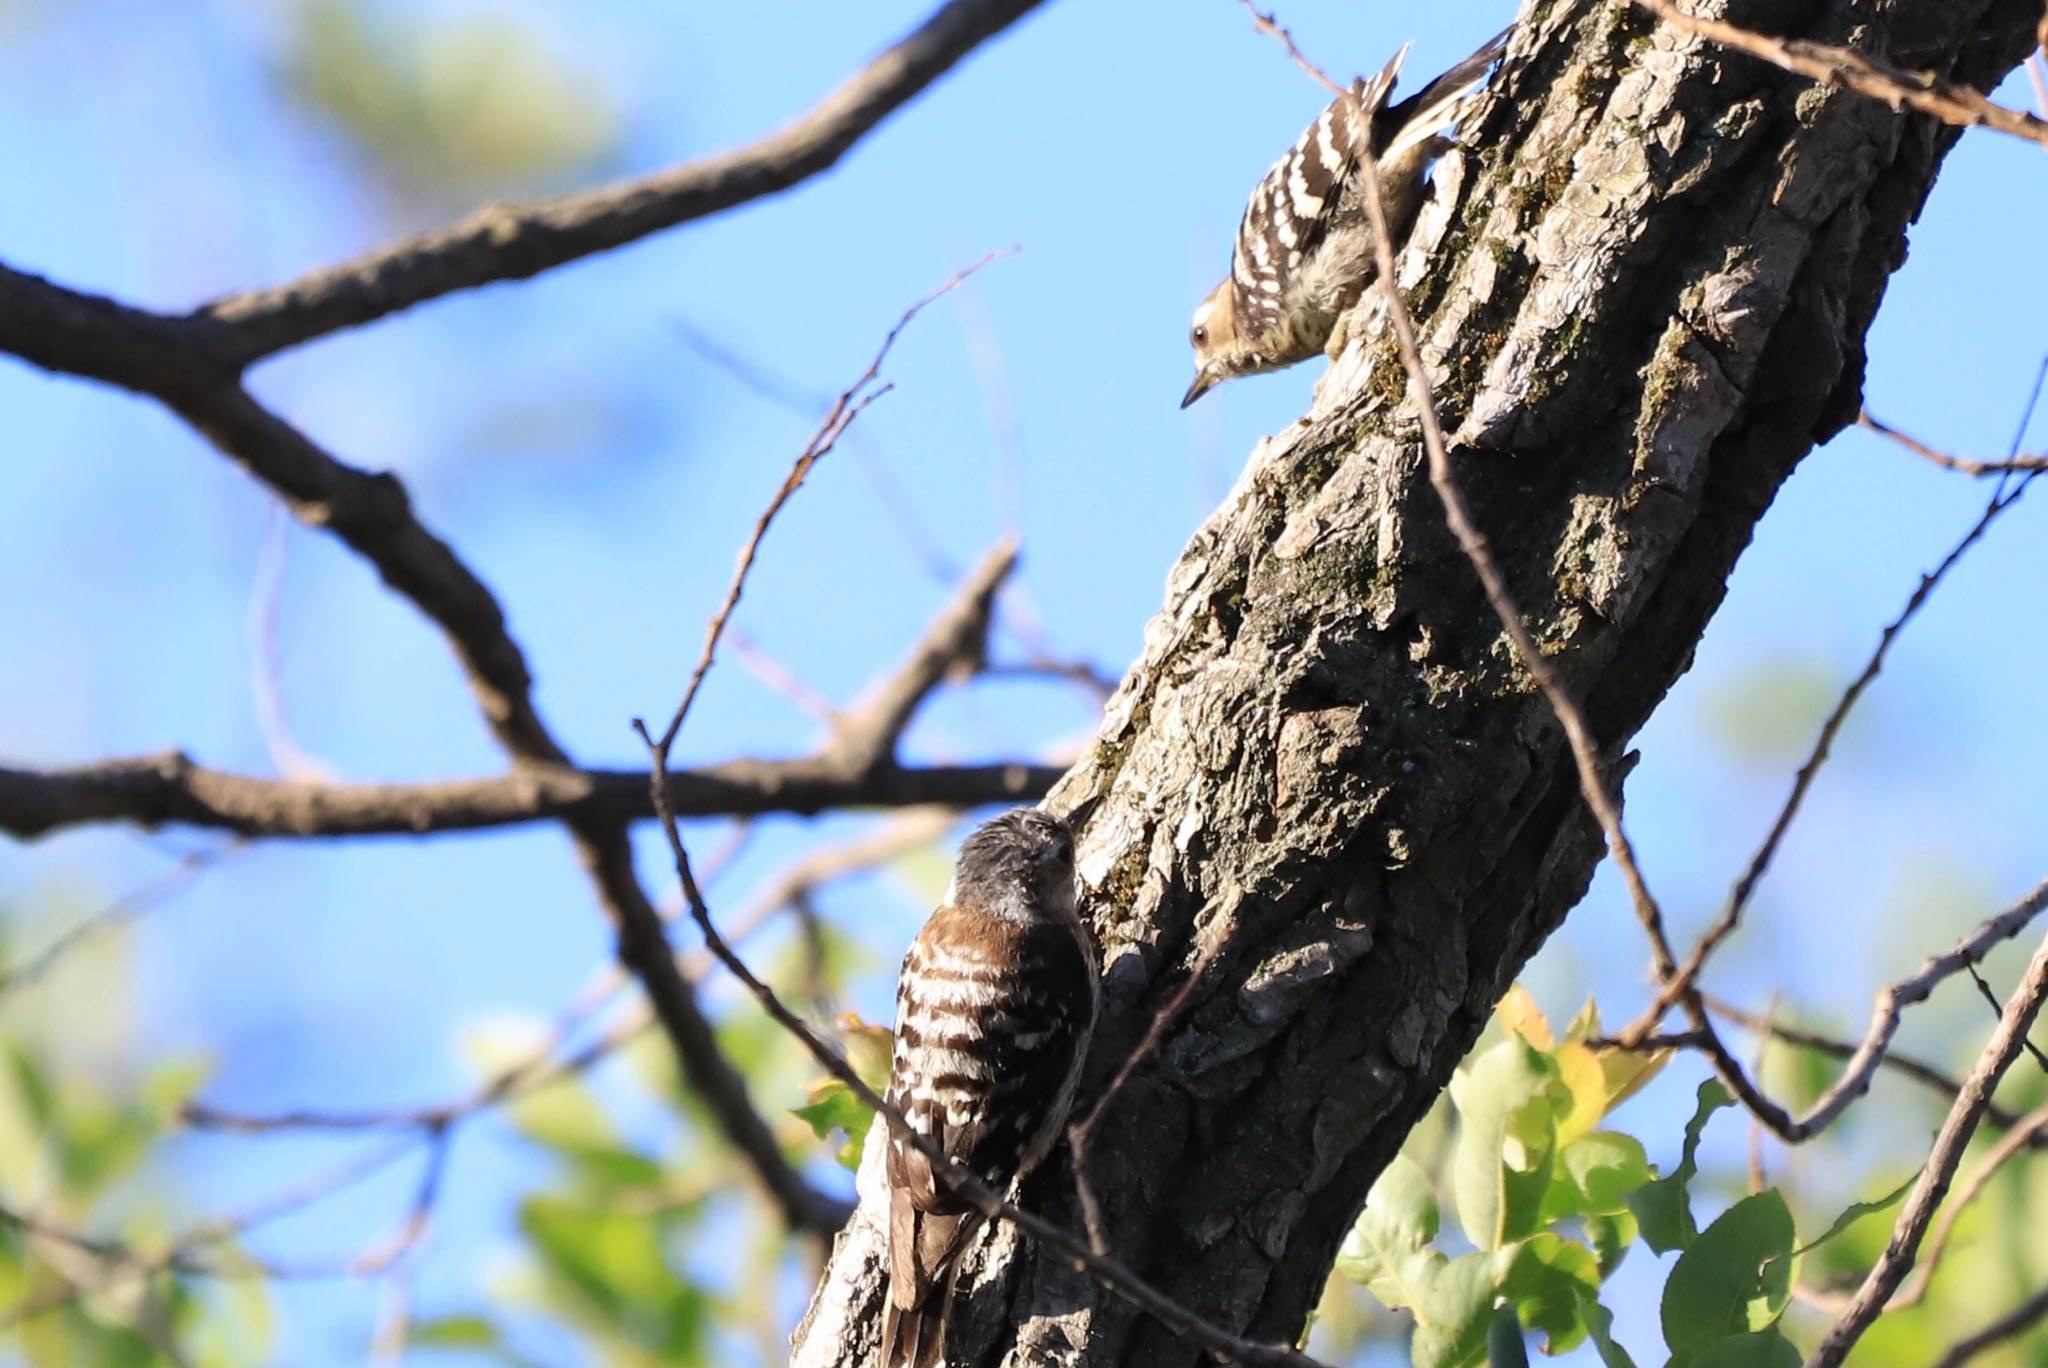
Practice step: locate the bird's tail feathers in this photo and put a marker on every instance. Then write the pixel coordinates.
(1450, 99)
(913, 1336)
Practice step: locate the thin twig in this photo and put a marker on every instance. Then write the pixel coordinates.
(2020, 1319)
(1080, 1134)
(186, 1253)
(1953, 104)
(778, 389)
(1990, 996)
(1947, 1152)
(1865, 419)
(1869, 1053)
(129, 906)
(847, 407)
(1676, 986)
(1585, 750)
(1176, 1317)
(266, 665)
(1907, 1066)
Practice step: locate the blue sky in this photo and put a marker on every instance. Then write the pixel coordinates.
(599, 473)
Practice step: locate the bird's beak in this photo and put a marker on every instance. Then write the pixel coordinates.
(1205, 380)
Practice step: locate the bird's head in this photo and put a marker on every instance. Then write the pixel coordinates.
(1219, 352)
(1020, 865)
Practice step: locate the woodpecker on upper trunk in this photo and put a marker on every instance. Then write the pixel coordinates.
(1304, 251)
(994, 1008)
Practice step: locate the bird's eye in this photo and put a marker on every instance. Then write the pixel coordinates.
(1200, 336)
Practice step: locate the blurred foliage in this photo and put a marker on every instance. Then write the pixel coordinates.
(71, 1149)
(451, 108)
(642, 1241)
(1548, 1205)
(1767, 715)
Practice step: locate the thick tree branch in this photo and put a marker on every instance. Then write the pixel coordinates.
(170, 789)
(372, 514)
(511, 242)
(1640, 298)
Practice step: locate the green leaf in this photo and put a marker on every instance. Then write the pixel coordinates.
(1546, 1278)
(101, 1144)
(1734, 1278)
(1664, 1208)
(1763, 1349)
(456, 1332)
(1600, 1327)
(1520, 1015)
(1385, 1250)
(1861, 1209)
(834, 1107)
(170, 1084)
(1504, 1346)
(566, 1117)
(1628, 1071)
(611, 1259)
(1594, 1176)
(27, 1112)
(1507, 1102)
(1452, 1319)
(1611, 1237)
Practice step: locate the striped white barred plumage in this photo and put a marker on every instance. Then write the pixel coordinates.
(994, 1009)
(1304, 250)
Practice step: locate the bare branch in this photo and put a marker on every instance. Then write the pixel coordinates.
(954, 647)
(512, 242)
(1954, 1136)
(1884, 1024)
(160, 790)
(188, 1252)
(372, 514)
(1906, 1066)
(1980, 469)
(1953, 104)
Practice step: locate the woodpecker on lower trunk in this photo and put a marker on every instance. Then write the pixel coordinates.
(1304, 252)
(994, 1008)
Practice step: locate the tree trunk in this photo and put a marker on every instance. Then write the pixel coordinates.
(1643, 297)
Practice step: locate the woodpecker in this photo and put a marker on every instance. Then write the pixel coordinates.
(994, 1008)
(1304, 252)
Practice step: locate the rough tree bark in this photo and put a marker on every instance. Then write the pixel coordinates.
(1643, 299)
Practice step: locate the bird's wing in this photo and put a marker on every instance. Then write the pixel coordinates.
(1293, 205)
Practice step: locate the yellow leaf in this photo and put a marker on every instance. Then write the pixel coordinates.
(1519, 1013)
